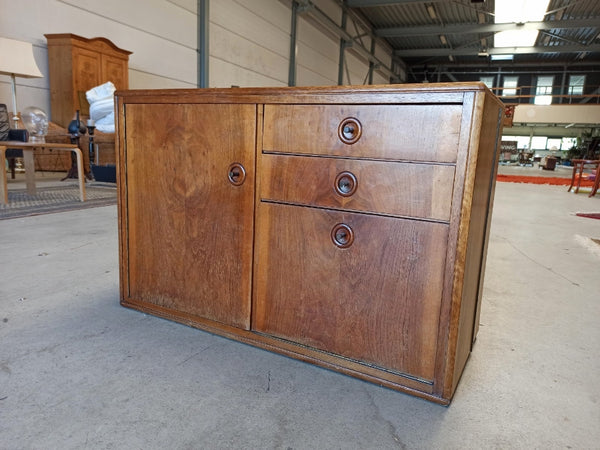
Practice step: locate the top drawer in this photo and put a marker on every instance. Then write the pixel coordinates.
(396, 132)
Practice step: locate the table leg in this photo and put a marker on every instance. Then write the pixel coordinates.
(3, 185)
(29, 164)
(80, 175)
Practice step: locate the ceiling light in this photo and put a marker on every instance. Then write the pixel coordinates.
(451, 58)
(431, 12)
(518, 11)
(443, 39)
(502, 57)
(525, 38)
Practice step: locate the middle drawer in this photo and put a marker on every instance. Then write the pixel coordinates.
(390, 188)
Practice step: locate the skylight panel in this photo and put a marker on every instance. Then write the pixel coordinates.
(518, 11)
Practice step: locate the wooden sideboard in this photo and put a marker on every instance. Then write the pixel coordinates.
(346, 227)
(76, 65)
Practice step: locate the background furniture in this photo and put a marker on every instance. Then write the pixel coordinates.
(48, 159)
(27, 148)
(346, 227)
(76, 65)
(585, 170)
(548, 163)
(10, 134)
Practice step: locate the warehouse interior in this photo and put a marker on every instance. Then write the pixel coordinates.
(78, 370)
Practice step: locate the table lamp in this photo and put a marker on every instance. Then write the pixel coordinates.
(16, 60)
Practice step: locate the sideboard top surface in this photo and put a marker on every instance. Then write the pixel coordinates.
(372, 94)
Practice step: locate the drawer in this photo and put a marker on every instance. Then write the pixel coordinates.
(396, 132)
(375, 299)
(394, 188)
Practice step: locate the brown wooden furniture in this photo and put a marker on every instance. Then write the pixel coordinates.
(585, 170)
(28, 150)
(346, 227)
(548, 163)
(76, 65)
(48, 159)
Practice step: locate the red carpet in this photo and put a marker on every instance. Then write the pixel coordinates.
(590, 215)
(557, 181)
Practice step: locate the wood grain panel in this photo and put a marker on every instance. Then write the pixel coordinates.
(190, 230)
(405, 132)
(377, 301)
(481, 179)
(115, 70)
(415, 190)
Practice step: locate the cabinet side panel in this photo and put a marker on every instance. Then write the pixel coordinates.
(122, 199)
(189, 229)
(481, 204)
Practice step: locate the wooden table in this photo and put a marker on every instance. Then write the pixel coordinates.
(28, 149)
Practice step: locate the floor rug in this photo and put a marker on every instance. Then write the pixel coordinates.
(556, 181)
(56, 199)
(590, 215)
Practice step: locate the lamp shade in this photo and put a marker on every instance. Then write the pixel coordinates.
(16, 58)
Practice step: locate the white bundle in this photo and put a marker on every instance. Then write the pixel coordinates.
(102, 106)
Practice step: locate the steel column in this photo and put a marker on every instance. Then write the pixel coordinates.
(371, 63)
(293, 45)
(203, 50)
(341, 60)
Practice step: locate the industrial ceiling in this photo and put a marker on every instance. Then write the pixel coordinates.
(442, 35)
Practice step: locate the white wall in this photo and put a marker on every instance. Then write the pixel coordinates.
(249, 42)
(250, 46)
(161, 34)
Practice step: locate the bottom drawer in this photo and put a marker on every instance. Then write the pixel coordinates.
(364, 287)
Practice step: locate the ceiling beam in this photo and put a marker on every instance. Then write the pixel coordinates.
(426, 52)
(370, 3)
(472, 28)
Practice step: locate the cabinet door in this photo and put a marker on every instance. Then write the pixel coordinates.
(86, 73)
(376, 298)
(115, 70)
(189, 227)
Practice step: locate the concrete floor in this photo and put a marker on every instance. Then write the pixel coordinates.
(79, 371)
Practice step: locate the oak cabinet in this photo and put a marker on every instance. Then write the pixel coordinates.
(346, 227)
(77, 64)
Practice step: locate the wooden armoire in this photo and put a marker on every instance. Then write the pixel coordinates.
(76, 65)
(343, 226)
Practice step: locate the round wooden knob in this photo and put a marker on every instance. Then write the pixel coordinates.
(236, 174)
(349, 130)
(342, 235)
(345, 184)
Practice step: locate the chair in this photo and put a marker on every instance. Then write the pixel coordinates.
(585, 170)
(8, 134)
(596, 182)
